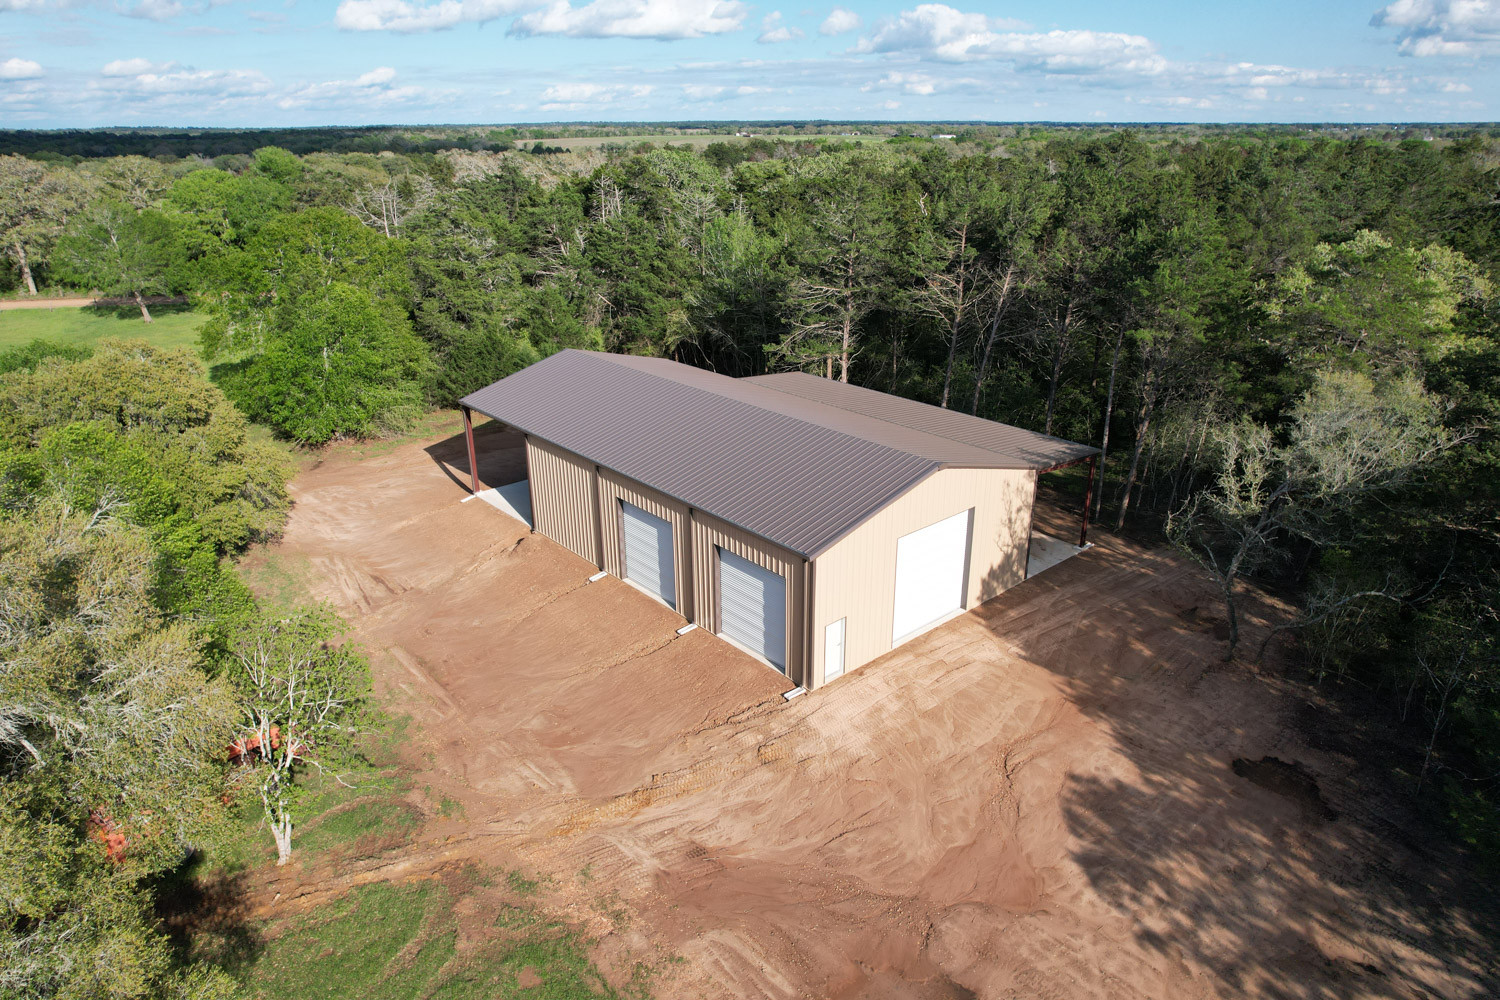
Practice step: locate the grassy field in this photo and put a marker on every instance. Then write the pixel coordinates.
(391, 942)
(174, 326)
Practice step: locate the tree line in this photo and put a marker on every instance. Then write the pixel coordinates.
(1286, 347)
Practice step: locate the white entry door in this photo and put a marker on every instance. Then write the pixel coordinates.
(648, 552)
(833, 650)
(931, 567)
(752, 607)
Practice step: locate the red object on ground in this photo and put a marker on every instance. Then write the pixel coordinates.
(103, 828)
(242, 747)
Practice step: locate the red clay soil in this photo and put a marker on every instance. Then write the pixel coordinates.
(1037, 799)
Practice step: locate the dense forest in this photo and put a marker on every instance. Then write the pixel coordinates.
(1287, 348)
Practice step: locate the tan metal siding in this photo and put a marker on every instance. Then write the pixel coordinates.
(710, 533)
(563, 497)
(612, 489)
(855, 579)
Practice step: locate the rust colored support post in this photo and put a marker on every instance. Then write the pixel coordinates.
(469, 437)
(1088, 501)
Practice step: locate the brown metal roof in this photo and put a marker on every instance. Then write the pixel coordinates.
(1026, 449)
(778, 463)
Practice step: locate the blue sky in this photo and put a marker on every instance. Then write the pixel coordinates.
(298, 62)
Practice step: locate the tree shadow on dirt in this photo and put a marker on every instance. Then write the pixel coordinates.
(1297, 874)
(500, 451)
(206, 916)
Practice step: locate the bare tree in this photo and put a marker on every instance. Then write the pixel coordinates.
(953, 291)
(386, 207)
(301, 696)
(1349, 438)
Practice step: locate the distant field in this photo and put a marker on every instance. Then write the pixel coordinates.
(699, 141)
(173, 326)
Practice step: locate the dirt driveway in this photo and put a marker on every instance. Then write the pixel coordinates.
(1038, 799)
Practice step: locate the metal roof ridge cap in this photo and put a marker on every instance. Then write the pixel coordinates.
(610, 357)
(918, 402)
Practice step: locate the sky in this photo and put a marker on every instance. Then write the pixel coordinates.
(79, 63)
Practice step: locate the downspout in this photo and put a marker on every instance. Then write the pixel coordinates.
(469, 437)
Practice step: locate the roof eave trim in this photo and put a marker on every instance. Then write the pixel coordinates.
(799, 553)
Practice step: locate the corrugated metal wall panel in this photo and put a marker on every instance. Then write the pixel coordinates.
(709, 534)
(855, 579)
(612, 489)
(563, 497)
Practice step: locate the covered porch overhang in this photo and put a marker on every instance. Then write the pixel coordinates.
(1043, 550)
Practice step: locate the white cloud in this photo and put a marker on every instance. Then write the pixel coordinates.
(159, 10)
(399, 15)
(1453, 87)
(912, 83)
(1443, 27)
(661, 19)
(924, 84)
(214, 83)
(1172, 101)
(773, 31)
(891, 105)
(19, 69)
(941, 33)
(134, 67)
(700, 92)
(839, 21)
(573, 96)
(373, 88)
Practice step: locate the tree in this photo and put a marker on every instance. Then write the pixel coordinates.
(954, 283)
(302, 697)
(120, 251)
(1022, 203)
(334, 365)
(1368, 299)
(737, 310)
(231, 485)
(36, 202)
(139, 182)
(1349, 438)
(841, 254)
(112, 740)
(1172, 307)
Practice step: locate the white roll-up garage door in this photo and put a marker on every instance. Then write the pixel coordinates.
(752, 607)
(930, 572)
(648, 552)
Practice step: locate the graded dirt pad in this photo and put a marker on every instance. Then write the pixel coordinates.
(1037, 799)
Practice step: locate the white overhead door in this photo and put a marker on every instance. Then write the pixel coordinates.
(752, 607)
(648, 552)
(930, 572)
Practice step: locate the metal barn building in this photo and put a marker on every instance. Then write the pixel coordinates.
(814, 524)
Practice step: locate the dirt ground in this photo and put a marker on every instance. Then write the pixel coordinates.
(1063, 794)
(80, 302)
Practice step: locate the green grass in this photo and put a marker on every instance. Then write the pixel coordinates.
(362, 828)
(392, 942)
(173, 326)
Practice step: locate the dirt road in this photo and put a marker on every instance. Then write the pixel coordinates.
(83, 302)
(1038, 799)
